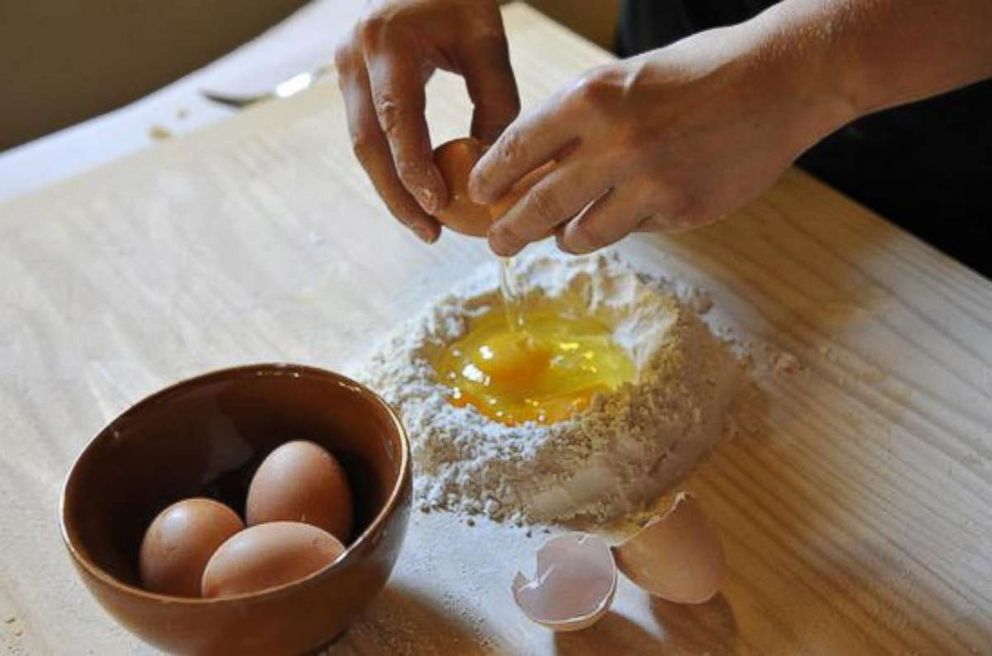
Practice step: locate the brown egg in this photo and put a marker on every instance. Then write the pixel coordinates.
(301, 482)
(455, 159)
(677, 556)
(180, 541)
(266, 556)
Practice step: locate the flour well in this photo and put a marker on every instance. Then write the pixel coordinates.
(624, 451)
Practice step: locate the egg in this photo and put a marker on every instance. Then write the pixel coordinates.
(301, 482)
(455, 159)
(179, 542)
(266, 556)
(677, 556)
(546, 368)
(573, 586)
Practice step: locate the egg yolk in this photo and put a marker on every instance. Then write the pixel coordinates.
(546, 371)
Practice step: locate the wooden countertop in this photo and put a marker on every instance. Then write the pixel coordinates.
(857, 518)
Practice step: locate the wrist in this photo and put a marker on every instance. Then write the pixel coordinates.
(804, 72)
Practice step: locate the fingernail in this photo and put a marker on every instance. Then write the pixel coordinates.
(504, 243)
(579, 249)
(427, 200)
(576, 243)
(423, 233)
(562, 246)
(477, 191)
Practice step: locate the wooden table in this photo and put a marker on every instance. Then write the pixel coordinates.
(857, 519)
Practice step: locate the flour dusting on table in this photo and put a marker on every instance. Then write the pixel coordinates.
(629, 447)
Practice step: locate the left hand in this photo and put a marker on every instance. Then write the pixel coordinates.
(383, 65)
(669, 140)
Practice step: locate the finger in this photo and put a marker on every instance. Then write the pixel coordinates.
(527, 143)
(397, 85)
(676, 209)
(674, 224)
(660, 223)
(372, 151)
(611, 218)
(491, 86)
(558, 197)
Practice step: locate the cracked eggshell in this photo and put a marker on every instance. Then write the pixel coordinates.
(455, 160)
(574, 584)
(677, 556)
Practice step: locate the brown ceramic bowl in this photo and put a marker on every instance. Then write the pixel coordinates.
(205, 437)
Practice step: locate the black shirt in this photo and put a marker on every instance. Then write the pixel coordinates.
(926, 166)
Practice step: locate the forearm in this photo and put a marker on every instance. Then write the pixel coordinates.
(873, 54)
(681, 136)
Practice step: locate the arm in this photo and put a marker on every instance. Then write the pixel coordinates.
(887, 52)
(680, 136)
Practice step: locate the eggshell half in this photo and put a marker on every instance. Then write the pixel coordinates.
(677, 556)
(573, 586)
(268, 555)
(302, 482)
(179, 542)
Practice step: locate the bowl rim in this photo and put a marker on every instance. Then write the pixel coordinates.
(259, 369)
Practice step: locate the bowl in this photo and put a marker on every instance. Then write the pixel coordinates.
(205, 437)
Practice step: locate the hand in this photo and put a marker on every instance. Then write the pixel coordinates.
(666, 141)
(383, 65)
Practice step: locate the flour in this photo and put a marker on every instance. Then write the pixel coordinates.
(625, 450)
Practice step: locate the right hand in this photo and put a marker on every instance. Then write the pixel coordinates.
(383, 64)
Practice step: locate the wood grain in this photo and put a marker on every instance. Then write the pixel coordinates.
(857, 517)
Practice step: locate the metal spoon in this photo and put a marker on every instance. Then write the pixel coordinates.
(284, 89)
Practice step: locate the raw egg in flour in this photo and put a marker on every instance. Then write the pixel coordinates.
(546, 370)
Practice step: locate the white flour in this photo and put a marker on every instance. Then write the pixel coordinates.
(623, 452)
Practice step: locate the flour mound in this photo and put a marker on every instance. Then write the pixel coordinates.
(625, 450)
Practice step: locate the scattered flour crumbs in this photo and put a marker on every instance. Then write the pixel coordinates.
(628, 448)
